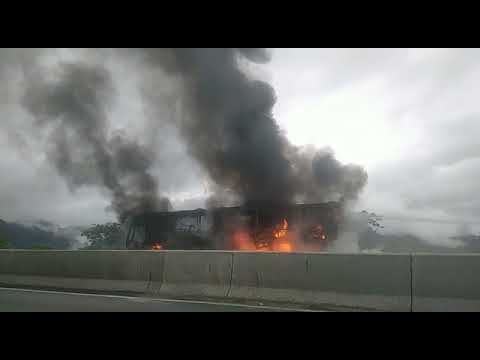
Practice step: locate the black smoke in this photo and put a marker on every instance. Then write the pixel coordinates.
(230, 130)
(72, 107)
(321, 177)
(226, 122)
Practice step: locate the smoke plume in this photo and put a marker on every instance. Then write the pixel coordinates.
(73, 108)
(226, 122)
(230, 130)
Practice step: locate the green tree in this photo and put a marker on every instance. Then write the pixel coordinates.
(4, 244)
(104, 236)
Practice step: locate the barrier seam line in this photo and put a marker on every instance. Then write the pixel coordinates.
(411, 282)
(163, 271)
(149, 284)
(231, 277)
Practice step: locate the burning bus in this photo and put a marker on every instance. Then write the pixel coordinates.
(178, 230)
(293, 228)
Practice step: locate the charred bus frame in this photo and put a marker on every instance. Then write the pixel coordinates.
(209, 229)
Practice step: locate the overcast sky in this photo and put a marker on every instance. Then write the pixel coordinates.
(409, 116)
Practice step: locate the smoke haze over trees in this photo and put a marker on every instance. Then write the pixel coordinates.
(20, 236)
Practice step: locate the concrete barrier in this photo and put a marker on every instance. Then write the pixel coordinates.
(77, 270)
(193, 273)
(373, 281)
(377, 282)
(270, 276)
(446, 282)
(380, 282)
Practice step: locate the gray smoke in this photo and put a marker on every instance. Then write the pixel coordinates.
(321, 177)
(230, 130)
(226, 122)
(73, 108)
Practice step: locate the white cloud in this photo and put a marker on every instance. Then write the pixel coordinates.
(410, 116)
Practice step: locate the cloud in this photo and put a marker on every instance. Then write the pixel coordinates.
(410, 116)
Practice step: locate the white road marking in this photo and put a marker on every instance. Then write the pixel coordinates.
(145, 300)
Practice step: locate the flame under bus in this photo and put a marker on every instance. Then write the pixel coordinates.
(298, 227)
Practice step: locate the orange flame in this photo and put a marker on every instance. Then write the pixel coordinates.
(265, 241)
(282, 242)
(283, 231)
(242, 241)
(157, 246)
(283, 246)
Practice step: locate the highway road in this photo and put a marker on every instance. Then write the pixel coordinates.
(19, 300)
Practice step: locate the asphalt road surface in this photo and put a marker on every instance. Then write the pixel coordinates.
(18, 300)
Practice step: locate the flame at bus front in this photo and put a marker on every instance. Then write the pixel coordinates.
(283, 231)
(281, 241)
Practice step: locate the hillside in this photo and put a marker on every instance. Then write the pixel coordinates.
(41, 235)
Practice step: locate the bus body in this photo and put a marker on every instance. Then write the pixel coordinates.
(212, 229)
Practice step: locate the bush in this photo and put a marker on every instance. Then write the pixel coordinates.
(4, 244)
(106, 236)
